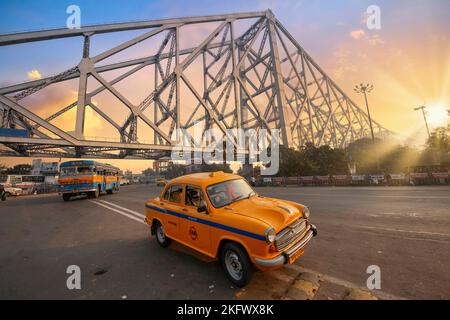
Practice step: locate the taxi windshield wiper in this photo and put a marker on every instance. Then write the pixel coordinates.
(242, 197)
(251, 194)
(238, 198)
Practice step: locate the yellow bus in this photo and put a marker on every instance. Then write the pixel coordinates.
(87, 177)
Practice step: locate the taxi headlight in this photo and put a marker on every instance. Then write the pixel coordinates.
(306, 213)
(270, 235)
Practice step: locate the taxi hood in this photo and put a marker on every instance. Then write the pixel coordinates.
(274, 212)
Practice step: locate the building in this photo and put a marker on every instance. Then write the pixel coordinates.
(49, 170)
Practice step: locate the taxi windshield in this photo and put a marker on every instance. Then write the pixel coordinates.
(225, 193)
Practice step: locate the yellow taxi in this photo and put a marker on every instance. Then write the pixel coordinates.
(221, 216)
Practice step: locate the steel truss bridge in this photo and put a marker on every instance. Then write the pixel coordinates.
(253, 77)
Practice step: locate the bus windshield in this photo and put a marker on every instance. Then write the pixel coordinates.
(73, 171)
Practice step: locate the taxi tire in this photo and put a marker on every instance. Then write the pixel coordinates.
(247, 266)
(66, 197)
(167, 241)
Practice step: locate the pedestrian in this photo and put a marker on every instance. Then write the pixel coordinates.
(2, 192)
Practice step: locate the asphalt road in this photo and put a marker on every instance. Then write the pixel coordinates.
(403, 230)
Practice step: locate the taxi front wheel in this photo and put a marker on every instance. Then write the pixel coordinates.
(236, 264)
(161, 237)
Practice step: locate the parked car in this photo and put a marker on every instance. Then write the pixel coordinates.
(124, 182)
(221, 216)
(12, 191)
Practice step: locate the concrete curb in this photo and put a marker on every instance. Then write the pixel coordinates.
(296, 283)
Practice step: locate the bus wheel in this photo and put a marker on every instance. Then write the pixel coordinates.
(109, 191)
(66, 196)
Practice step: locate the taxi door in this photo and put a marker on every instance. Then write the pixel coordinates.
(194, 229)
(171, 202)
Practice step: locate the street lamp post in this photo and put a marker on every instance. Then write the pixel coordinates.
(365, 89)
(424, 113)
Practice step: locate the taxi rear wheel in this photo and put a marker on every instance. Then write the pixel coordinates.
(161, 237)
(236, 264)
(66, 196)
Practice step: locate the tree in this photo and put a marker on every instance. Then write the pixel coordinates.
(393, 157)
(310, 161)
(174, 170)
(362, 152)
(148, 172)
(289, 162)
(437, 148)
(399, 159)
(325, 160)
(439, 140)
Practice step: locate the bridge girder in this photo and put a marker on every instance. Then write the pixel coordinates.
(261, 79)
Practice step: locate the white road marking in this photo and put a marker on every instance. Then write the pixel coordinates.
(119, 212)
(406, 231)
(140, 215)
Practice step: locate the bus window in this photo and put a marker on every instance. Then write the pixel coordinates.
(68, 171)
(85, 170)
(34, 179)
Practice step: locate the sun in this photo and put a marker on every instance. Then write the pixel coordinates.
(437, 115)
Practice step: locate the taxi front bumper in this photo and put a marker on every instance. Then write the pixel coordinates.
(285, 256)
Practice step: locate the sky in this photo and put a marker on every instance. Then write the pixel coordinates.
(407, 60)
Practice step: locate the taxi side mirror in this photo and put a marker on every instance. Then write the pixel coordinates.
(202, 207)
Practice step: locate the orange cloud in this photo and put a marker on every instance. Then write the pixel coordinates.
(34, 75)
(358, 34)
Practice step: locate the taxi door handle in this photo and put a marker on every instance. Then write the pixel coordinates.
(161, 203)
(185, 210)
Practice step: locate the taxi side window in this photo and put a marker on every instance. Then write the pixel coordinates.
(173, 194)
(193, 196)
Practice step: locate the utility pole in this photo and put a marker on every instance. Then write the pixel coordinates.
(365, 89)
(424, 113)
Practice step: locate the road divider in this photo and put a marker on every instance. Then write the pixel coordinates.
(133, 215)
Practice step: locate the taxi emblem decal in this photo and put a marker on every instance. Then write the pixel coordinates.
(193, 233)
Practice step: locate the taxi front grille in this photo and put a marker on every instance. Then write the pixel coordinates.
(290, 234)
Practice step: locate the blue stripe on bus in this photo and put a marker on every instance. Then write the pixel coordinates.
(209, 223)
(79, 186)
